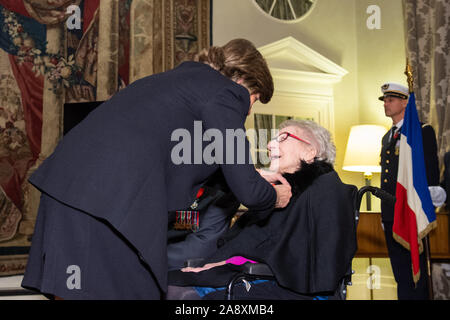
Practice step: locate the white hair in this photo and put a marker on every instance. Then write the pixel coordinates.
(326, 150)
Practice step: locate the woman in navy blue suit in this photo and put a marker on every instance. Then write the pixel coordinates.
(101, 229)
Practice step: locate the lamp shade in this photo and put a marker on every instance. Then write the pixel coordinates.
(363, 148)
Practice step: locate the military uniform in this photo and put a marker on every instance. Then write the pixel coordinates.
(399, 256)
(389, 168)
(389, 164)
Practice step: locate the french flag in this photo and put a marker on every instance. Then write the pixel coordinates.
(414, 213)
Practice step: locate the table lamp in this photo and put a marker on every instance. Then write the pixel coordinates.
(363, 152)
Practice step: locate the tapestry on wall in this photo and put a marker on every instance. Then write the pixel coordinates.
(45, 64)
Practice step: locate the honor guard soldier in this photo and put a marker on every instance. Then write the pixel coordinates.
(395, 97)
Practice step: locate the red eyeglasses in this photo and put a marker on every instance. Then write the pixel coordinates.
(284, 135)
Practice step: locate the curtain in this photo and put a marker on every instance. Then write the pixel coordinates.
(264, 129)
(428, 50)
(21, 41)
(165, 33)
(25, 67)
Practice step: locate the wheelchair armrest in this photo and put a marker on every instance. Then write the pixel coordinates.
(194, 263)
(254, 269)
(249, 271)
(257, 269)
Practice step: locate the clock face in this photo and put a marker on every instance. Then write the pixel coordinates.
(285, 10)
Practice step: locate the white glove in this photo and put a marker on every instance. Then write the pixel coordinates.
(438, 195)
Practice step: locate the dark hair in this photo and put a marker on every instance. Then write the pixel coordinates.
(239, 59)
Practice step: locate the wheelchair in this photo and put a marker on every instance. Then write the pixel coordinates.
(260, 271)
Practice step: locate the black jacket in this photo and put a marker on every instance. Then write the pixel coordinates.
(309, 245)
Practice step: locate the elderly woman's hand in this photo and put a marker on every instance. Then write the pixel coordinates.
(284, 195)
(205, 267)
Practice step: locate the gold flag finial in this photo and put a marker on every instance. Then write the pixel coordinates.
(409, 76)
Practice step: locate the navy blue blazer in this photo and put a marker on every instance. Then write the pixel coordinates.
(116, 164)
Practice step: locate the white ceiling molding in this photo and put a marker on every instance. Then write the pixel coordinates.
(289, 53)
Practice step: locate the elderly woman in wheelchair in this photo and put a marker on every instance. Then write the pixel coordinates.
(303, 251)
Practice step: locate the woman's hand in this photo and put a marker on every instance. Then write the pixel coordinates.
(205, 267)
(284, 195)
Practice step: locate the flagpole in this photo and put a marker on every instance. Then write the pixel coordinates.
(426, 243)
(409, 76)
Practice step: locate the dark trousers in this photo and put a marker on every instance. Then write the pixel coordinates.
(401, 267)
